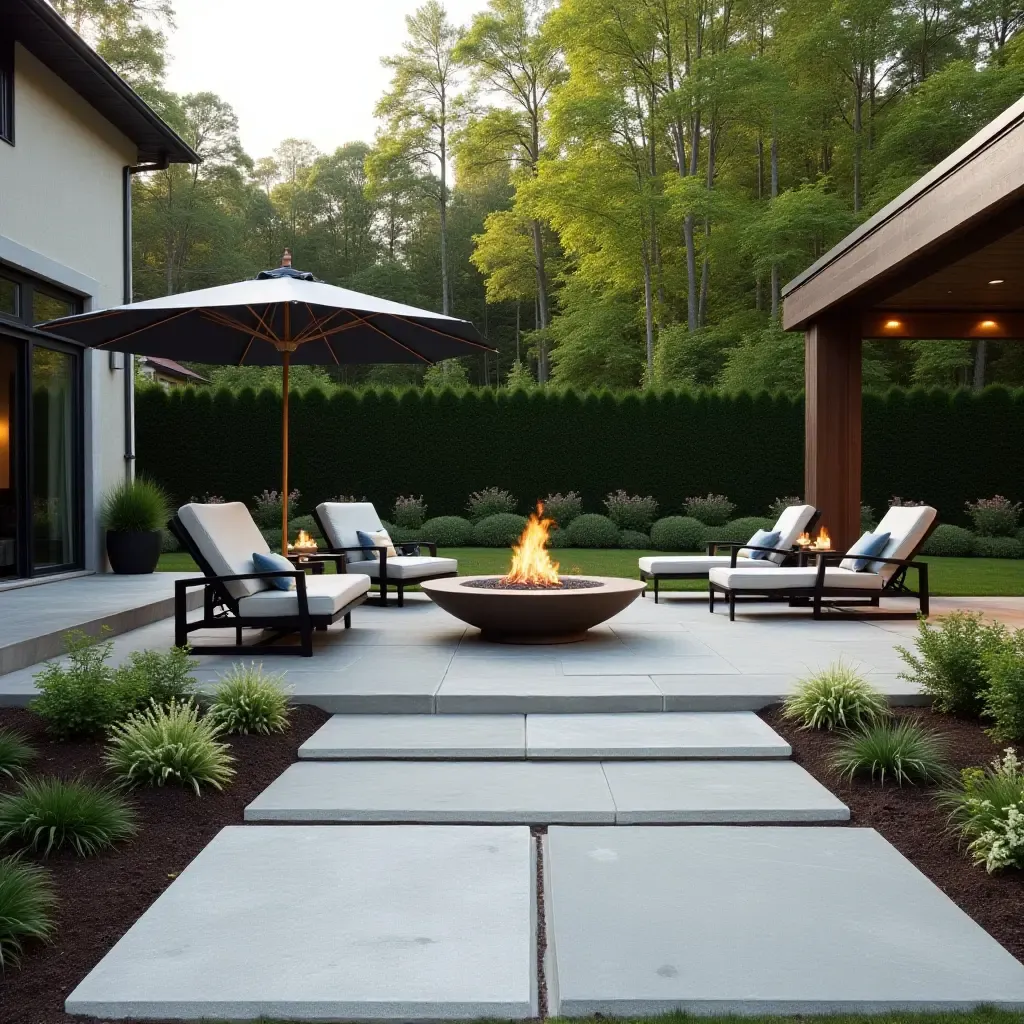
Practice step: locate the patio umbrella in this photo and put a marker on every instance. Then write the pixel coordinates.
(284, 317)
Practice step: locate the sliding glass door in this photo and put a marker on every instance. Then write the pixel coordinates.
(9, 441)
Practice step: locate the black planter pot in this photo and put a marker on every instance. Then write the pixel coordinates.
(133, 553)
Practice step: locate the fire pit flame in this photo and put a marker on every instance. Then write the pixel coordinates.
(531, 563)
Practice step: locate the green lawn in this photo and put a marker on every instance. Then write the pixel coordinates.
(949, 577)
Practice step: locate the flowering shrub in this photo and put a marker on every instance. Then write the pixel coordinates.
(994, 517)
(630, 511)
(713, 510)
(563, 508)
(491, 501)
(779, 505)
(266, 508)
(409, 512)
(897, 502)
(208, 499)
(1003, 665)
(989, 810)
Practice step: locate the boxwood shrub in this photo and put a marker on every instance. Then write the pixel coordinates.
(498, 531)
(949, 541)
(997, 547)
(678, 533)
(592, 531)
(634, 540)
(447, 531)
(740, 529)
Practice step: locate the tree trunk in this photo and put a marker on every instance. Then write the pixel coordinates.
(980, 353)
(858, 104)
(776, 286)
(542, 297)
(691, 251)
(649, 314)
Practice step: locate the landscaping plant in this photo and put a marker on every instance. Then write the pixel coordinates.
(988, 810)
(15, 753)
(630, 511)
(491, 501)
(738, 531)
(837, 697)
(266, 508)
(49, 814)
(1003, 700)
(592, 531)
(249, 700)
(81, 697)
(447, 531)
(679, 533)
(949, 541)
(779, 505)
(949, 661)
(409, 512)
(136, 505)
(171, 744)
(27, 903)
(711, 510)
(994, 517)
(563, 508)
(156, 677)
(498, 531)
(892, 749)
(997, 547)
(633, 540)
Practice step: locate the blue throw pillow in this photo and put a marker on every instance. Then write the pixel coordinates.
(763, 539)
(870, 545)
(268, 563)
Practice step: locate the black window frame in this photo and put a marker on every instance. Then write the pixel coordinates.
(7, 89)
(27, 287)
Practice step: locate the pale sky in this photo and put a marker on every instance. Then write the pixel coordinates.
(303, 68)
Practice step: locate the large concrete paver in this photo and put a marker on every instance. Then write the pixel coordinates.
(769, 920)
(469, 792)
(673, 735)
(555, 694)
(719, 791)
(345, 737)
(332, 923)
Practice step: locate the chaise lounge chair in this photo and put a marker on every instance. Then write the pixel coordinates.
(223, 539)
(342, 522)
(835, 580)
(794, 520)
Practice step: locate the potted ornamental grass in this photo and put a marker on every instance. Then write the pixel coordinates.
(134, 514)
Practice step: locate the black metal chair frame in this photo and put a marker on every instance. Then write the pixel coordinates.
(220, 608)
(712, 549)
(821, 596)
(382, 578)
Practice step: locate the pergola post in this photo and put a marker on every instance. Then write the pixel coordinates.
(832, 433)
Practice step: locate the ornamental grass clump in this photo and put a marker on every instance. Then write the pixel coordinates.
(170, 744)
(988, 810)
(949, 663)
(27, 903)
(15, 753)
(837, 697)
(711, 510)
(137, 505)
(631, 511)
(892, 750)
(249, 700)
(50, 814)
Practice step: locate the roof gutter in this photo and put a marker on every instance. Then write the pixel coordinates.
(126, 262)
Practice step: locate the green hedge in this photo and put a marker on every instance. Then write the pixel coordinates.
(926, 445)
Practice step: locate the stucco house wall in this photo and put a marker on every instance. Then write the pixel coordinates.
(61, 218)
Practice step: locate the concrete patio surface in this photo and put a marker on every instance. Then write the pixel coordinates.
(322, 923)
(545, 792)
(770, 920)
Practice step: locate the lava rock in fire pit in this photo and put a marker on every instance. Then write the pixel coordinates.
(564, 583)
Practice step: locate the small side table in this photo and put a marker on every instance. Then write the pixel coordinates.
(805, 555)
(308, 562)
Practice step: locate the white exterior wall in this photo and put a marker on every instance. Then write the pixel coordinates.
(61, 218)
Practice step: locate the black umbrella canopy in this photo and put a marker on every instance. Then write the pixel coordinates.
(252, 323)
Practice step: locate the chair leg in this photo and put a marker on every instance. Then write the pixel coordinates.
(401, 596)
(348, 620)
(732, 605)
(711, 599)
(655, 589)
(321, 629)
(238, 629)
(922, 589)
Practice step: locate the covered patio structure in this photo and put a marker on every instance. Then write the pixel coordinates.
(944, 260)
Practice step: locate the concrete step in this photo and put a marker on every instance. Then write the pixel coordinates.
(752, 921)
(577, 737)
(314, 923)
(545, 792)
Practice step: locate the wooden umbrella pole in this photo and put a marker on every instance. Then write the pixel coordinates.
(285, 360)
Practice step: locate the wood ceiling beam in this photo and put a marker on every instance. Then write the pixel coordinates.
(944, 325)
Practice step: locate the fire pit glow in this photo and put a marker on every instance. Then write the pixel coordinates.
(532, 604)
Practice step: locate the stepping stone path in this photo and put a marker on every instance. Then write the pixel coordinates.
(437, 915)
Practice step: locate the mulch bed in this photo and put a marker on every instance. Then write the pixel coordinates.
(910, 819)
(101, 897)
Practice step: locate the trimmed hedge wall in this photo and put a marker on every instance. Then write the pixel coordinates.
(931, 446)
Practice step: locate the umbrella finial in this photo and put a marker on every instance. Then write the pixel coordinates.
(286, 259)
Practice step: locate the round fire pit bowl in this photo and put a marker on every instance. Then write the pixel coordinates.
(534, 615)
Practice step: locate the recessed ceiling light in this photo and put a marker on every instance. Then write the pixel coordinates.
(998, 280)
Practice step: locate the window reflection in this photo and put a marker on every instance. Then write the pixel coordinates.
(8, 297)
(49, 307)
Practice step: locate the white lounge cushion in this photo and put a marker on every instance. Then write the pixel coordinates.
(906, 526)
(406, 567)
(342, 520)
(659, 564)
(793, 521)
(781, 578)
(227, 538)
(326, 594)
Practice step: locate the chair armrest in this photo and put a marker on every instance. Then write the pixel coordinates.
(428, 544)
(735, 546)
(296, 574)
